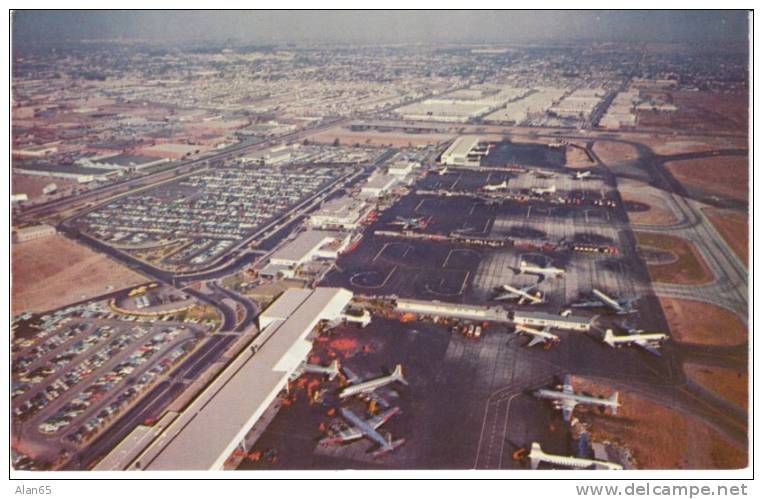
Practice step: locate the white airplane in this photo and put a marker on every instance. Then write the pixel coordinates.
(582, 175)
(367, 388)
(332, 370)
(566, 399)
(619, 305)
(537, 456)
(538, 336)
(509, 292)
(366, 428)
(651, 342)
(544, 173)
(550, 271)
(544, 190)
(496, 187)
(407, 222)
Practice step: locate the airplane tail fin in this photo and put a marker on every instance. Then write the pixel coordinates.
(334, 368)
(535, 452)
(615, 402)
(609, 338)
(398, 374)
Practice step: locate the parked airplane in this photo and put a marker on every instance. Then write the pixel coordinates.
(544, 174)
(651, 342)
(537, 456)
(619, 305)
(544, 190)
(366, 428)
(582, 175)
(408, 222)
(367, 388)
(509, 292)
(538, 335)
(332, 370)
(528, 268)
(566, 399)
(496, 187)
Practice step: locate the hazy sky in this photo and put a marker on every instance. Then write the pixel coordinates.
(380, 26)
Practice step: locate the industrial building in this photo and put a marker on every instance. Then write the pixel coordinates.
(33, 232)
(343, 213)
(305, 247)
(456, 310)
(204, 435)
(122, 161)
(542, 319)
(377, 185)
(460, 152)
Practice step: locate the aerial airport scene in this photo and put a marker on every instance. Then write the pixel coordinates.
(257, 254)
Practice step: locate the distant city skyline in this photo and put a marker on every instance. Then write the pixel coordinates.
(379, 27)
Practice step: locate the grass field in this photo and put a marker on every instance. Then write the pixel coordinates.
(730, 384)
(54, 271)
(690, 268)
(698, 322)
(721, 175)
(733, 225)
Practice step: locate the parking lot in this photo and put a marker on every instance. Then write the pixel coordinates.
(77, 369)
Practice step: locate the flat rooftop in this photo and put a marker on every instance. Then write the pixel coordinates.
(462, 146)
(305, 243)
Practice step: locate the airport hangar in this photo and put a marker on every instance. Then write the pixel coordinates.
(207, 432)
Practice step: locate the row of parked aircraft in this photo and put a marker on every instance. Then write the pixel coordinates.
(358, 427)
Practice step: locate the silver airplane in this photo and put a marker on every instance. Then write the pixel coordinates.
(550, 271)
(496, 187)
(366, 428)
(619, 305)
(537, 456)
(537, 335)
(509, 292)
(544, 190)
(582, 175)
(544, 174)
(368, 388)
(332, 370)
(651, 342)
(566, 399)
(407, 222)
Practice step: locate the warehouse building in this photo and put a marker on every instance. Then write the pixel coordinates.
(460, 152)
(122, 161)
(343, 213)
(377, 185)
(541, 319)
(204, 435)
(33, 232)
(307, 246)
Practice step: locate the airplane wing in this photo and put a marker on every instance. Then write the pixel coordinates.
(378, 420)
(536, 340)
(352, 378)
(653, 350)
(588, 304)
(348, 434)
(506, 296)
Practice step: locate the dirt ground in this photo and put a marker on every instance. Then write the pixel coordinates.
(701, 111)
(577, 158)
(32, 185)
(698, 322)
(614, 152)
(54, 271)
(733, 225)
(730, 384)
(690, 268)
(658, 436)
(724, 175)
(374, 138)
(640, 192)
